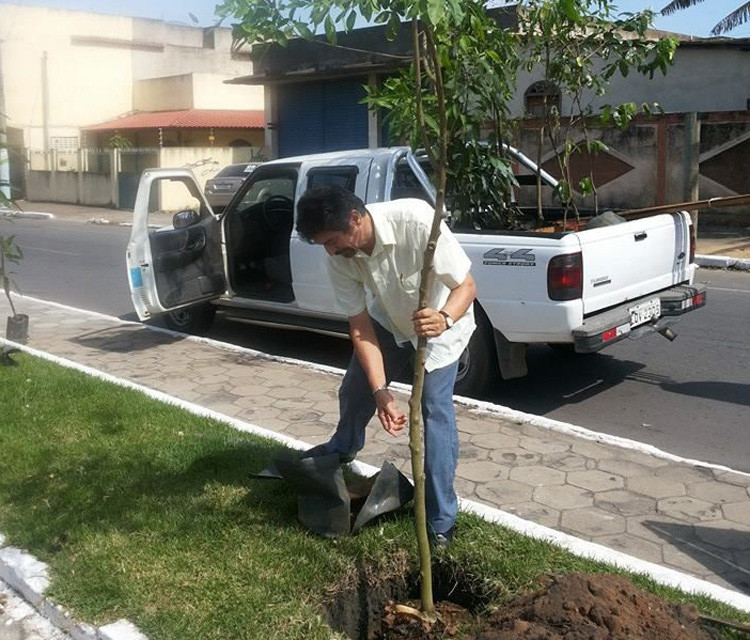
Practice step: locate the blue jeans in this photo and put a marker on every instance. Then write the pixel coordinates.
(357, 407)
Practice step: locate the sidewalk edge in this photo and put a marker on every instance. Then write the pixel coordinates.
(722, 262)
(520, 417)
(577, 546)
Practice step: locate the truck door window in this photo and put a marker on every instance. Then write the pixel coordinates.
(345, 177)
(406, 185)
(258, 229)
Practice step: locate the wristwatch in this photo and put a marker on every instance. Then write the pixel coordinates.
(448, 319)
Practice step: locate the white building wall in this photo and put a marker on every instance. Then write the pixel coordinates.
(701, 79)
(93, 62)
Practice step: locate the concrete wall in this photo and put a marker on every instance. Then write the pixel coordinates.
(645, 164)
(210, 92)
(93, 189)
(204, 162)
(163, 94)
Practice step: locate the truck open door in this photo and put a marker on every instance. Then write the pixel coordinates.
(181, 263)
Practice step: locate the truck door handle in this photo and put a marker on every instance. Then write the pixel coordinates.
(641, 235)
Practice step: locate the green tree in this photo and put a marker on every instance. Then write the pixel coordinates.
(579, 46)
(727, 23)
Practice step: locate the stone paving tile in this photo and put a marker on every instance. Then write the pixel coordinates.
(594, 480)
(482, 471)
(737, 512)
(590, 522)
(632, 545)
(712, 491)
(689, 509)
(656, 487)
(563, 497)
(504, 492)
(539, 513)
(537, 475)
(625, 503)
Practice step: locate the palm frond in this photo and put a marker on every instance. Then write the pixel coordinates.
(735, 19)
(678, 5)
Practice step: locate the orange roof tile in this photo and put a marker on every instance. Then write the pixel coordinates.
(186, 119)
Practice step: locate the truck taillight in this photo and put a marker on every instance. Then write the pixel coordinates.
(692, 243)
(565, 277)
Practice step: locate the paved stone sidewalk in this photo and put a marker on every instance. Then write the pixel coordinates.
(20, 621)
(693, 519)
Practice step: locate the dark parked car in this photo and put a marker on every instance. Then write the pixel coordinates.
(221, 188)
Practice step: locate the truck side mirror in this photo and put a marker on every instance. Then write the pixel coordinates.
(185, 218)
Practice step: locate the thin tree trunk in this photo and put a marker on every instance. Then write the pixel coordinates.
(415, 401)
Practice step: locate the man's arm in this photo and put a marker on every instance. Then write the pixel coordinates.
(430, 323)
(367, 350)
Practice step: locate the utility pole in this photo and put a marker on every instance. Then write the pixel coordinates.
(691, 161)
(45, 113)
(4, 158)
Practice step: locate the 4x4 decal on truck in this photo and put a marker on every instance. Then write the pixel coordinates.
(504, 258)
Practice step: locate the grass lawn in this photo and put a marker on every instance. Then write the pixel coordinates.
(146, 512)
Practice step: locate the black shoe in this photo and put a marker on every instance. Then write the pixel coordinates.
(321, 450)
(442, 540)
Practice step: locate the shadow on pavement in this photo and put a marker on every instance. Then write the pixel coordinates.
(557, 379)
(125, 339)
(712, 548)
(732, 392)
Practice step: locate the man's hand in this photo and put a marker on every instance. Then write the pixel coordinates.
(429, 323)
(393, 421)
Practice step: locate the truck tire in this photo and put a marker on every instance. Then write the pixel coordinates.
(477, 367)
(196, 319)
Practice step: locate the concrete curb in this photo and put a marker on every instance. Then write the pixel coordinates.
(723, 262)
(577, 546)
(32, 215)
(30, 578)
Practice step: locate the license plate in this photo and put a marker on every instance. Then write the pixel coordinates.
(642, 313)
(223, 187)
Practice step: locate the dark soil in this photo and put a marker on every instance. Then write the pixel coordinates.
(570, 607)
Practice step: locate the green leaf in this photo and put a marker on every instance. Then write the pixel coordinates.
(330, 30)
(351, 19)
(435, 11)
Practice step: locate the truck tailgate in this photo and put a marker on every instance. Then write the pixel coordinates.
(630, 260)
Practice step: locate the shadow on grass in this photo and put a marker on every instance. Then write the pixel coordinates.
(105, 491)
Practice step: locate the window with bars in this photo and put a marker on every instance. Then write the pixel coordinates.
(64, 144)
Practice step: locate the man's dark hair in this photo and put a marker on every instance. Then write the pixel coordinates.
(326, 208)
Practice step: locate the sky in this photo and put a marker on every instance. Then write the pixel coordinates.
(697, 20)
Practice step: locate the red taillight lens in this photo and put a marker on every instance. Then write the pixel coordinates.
(692, 243)
(565, 277)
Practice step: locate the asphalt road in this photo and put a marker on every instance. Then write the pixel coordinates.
(689, 397)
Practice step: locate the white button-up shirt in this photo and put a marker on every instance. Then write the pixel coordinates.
(391, 277)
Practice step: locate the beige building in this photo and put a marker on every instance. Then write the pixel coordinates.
(65, 72)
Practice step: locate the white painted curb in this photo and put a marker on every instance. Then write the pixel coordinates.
(722, 262)
(33, 215)
(578, 547)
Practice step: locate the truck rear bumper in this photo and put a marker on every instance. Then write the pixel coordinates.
(611, 326)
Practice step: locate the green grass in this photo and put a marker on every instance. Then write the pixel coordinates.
(145, 511)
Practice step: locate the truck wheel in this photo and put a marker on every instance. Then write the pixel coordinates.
(477, 366)
(196, 319)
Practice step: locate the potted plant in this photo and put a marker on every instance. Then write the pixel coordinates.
(17, 326)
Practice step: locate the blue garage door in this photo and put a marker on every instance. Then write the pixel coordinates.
(326, 116)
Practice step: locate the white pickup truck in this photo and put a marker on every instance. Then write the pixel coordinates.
(585, 290)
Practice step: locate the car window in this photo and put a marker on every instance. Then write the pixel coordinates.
(235, 171)
(406, 185)
(264, 188)
(345, 177)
